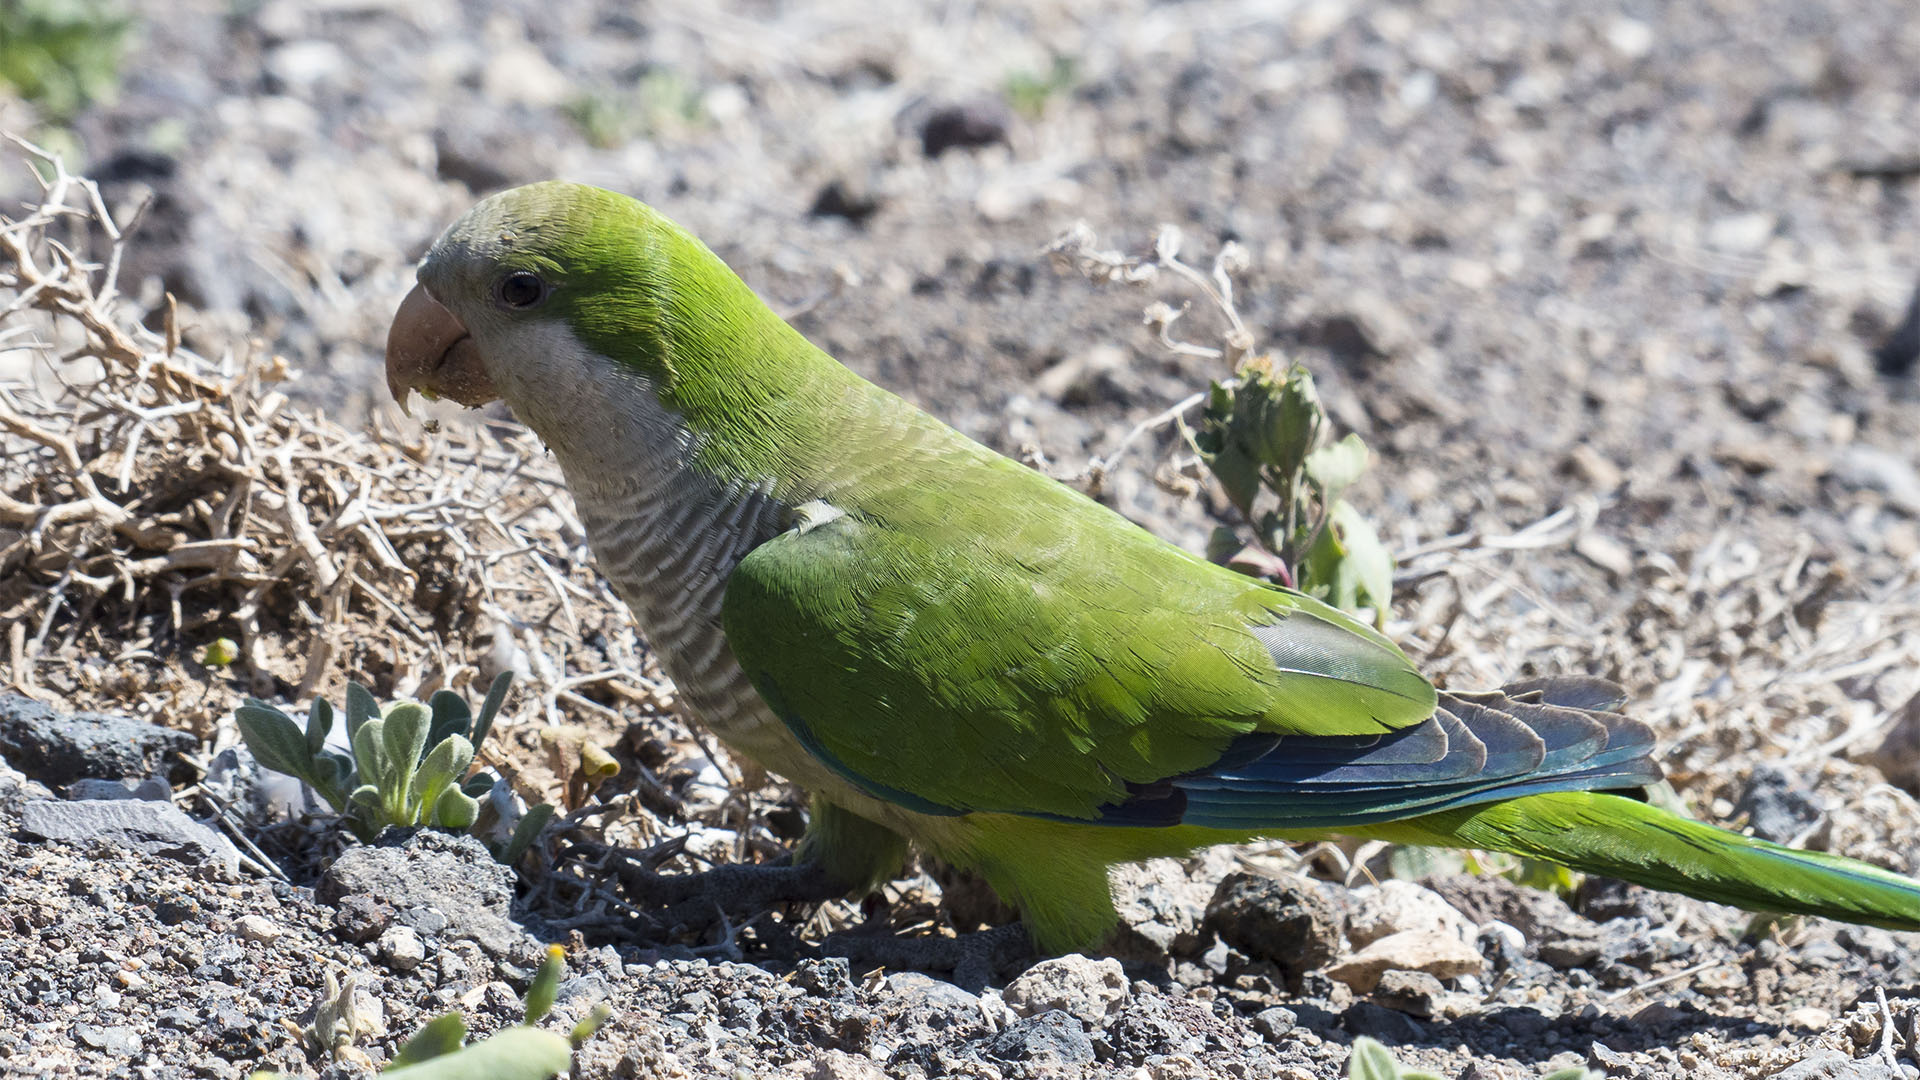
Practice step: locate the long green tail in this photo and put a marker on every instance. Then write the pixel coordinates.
(1620, 837)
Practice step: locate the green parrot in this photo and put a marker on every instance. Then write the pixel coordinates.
(950, 650)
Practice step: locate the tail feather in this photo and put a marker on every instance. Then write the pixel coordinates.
(1620, 837)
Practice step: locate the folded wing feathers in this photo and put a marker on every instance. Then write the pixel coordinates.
(1543, 735)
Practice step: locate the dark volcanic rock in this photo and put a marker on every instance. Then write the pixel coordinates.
(154, 827)
(1288, 920)
(436, 883)
(1051, 1039)
(58, 748)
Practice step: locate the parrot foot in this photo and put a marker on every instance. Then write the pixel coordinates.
(974, 959)
(725, 895)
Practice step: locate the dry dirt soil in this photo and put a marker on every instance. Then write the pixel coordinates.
(1602, 285)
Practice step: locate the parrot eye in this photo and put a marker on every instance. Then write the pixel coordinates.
(521, 289)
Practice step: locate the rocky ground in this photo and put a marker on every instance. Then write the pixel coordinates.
(1612, 291)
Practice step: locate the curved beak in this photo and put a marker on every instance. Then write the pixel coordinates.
(429, 350)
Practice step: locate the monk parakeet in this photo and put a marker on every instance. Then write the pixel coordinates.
(948, 649)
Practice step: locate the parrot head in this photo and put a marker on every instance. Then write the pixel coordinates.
(501, 300)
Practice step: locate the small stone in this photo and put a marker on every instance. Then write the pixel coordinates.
(59, 748)
(828, 978)
(1570, 952)
(932, 992)
(1415, 993)
(1741, 234)
(1288, 920)
(1594, 467)
(519, 74)
(158, 828)
(302, 65)
(361, 918)
(1379, 1022)
(152, 789)
(439, 884)
(1369, 327)
(1088, 990)
(256, 928)
(1523, 1023)
(1606, 553)
(1163, 903)
(1824, 1064)
(1863, 467)
(173, 913)
(965, 125)
(1809, 1018)
(117, 1040)
(1604, 899)
(1630, 38)
(400, 948)
(1778, 803)
(1601, 1056)
(840, 1065)
(1275, 1022)
(1898, 755)
(1505, 945)
(1901, 349)
(1538, 915)
(1395, 906)
(1441, 955)
(843, 200)
(1051, 1040)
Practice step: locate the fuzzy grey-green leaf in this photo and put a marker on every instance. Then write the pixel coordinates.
(455, 809)
(274, 739)
(441, 1035)
(1334, 468)
(451, 716)
(444, 765)
(489, 709)
(319, 722)
(370, 755)
(515, 1053)
(526, 832)
(361, 707)
(1371, 1061)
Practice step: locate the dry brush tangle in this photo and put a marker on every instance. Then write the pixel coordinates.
(153, 500)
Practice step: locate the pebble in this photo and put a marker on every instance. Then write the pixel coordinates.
(1050, 1040)
(1415, 993)
(400, 948)
(1380, 1022)
(1089, 990)
(1275, 1022)
(1395, 906)
(840, 1065)
(1287, 919)
(1437, 954)
(256, 928)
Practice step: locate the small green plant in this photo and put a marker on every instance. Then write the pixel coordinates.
(1261, 437)
(440, 1051)
(1372, 1061)
(1028, 92)
(1262, 434)
(664, 102)
(62, 54)
(409, 764)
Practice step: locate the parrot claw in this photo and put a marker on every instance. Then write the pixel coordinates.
(974, 959)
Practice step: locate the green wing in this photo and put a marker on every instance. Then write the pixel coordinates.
(1041, 662)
